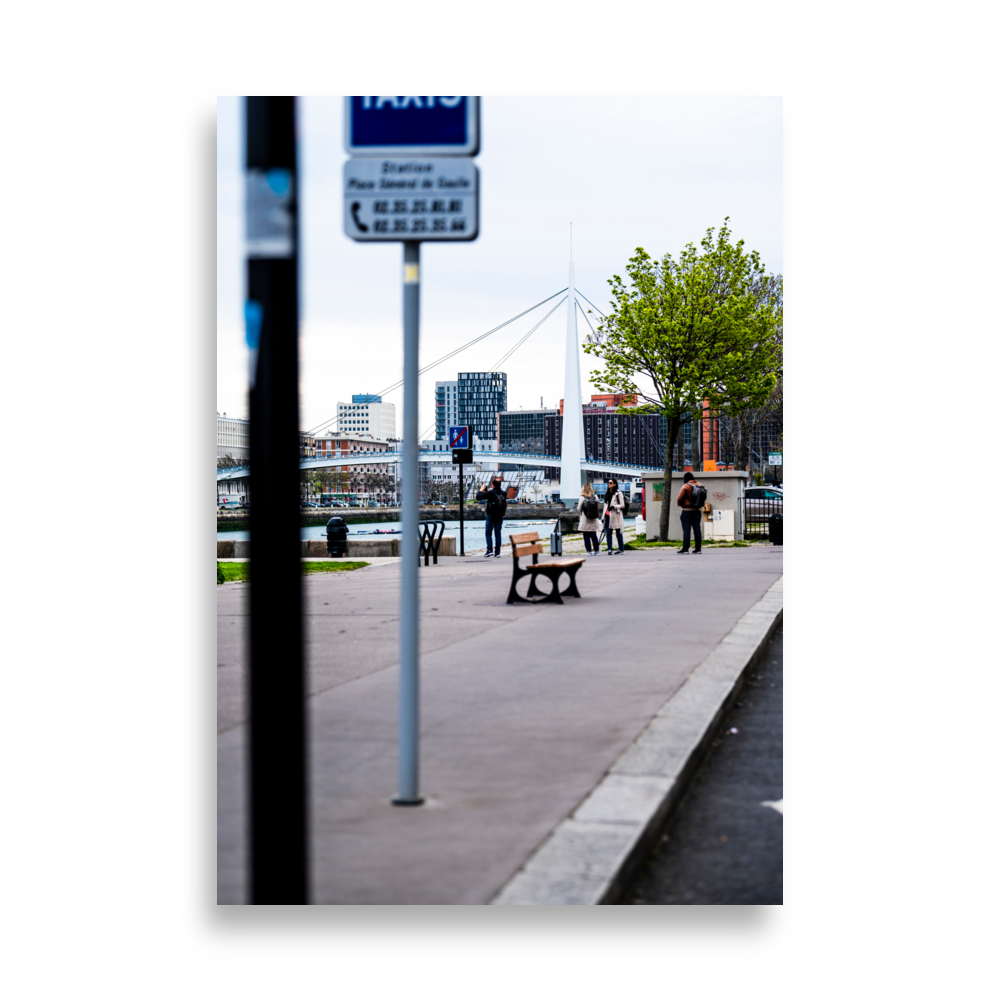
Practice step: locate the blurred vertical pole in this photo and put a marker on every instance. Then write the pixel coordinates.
(461, 510)
(409, 610)
(277, 759)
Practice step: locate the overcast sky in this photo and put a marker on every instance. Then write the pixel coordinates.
(627, 172)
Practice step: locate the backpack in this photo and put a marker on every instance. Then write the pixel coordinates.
(591, 508)
(699, 494)
(496, 505)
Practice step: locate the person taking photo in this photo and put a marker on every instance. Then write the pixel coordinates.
(496, 507)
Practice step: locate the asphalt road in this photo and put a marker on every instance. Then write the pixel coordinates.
(724, 846)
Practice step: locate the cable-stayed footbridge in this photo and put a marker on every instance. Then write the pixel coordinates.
(571, 461)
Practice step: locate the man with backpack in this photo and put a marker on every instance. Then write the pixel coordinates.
(496, 507)
(691, 499)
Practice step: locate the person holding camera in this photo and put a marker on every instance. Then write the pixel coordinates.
(496, 507)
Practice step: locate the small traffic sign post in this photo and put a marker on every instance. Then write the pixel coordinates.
(410, 178)
(460, 454)
(458, 437)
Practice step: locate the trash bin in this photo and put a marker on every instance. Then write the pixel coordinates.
(774, 529)
(336, 537)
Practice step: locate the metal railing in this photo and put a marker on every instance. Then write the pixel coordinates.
(755, 514)
(431, 533)
(394, 457)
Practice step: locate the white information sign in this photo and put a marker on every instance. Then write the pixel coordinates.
(774, 458)
(427, 198)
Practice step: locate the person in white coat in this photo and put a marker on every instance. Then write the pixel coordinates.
(613, 518)
(590, 526)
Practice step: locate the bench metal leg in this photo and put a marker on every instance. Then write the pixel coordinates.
(553, 597)
(514, 597)
(571, 590)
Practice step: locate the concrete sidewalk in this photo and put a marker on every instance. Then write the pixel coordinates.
(526, 714)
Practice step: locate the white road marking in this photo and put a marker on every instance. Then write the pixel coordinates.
(778, 806)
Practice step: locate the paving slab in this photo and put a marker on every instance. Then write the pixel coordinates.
(525, 711)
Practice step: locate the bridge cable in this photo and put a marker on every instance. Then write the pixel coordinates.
(433, 364)
(496, 367)
(591, 304)
(584, 315)
(483, 336)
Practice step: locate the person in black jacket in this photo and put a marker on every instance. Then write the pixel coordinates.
(496, 507)
(690, 514)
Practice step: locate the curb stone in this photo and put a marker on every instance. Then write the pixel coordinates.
(592, 855)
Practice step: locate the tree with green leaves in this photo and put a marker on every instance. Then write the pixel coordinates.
(700, 331)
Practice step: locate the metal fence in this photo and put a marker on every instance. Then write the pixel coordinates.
(755, 514)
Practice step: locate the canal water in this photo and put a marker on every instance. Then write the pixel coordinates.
(475, 531)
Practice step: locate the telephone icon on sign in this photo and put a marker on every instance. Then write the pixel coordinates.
(355, 206)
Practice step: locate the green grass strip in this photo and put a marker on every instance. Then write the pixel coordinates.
(641, 543)
(331, 567)
(234, 572)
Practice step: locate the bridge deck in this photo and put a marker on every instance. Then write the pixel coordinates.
(396, 457)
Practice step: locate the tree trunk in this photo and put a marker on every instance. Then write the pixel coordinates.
(743, 449)
(673, 430)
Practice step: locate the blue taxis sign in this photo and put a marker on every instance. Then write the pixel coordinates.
(418, 126)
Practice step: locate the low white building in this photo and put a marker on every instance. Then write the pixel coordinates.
(356, 481)
(367, 414)
(232, 438)
(334, 445)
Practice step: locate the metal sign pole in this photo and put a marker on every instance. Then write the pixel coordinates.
(409, 616)
(419, 148)
(461, 511)
(277, 752)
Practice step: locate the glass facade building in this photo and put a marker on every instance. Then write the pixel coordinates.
(612, 437)
(523, 431)
(476, 399)
(482, 396)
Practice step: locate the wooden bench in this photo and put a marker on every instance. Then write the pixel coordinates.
(530, 545)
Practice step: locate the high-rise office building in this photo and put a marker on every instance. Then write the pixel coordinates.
(482, 396)
(476, 399)
(445, 408)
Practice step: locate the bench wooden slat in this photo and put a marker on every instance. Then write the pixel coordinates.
(528, 550)
(527, 537)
